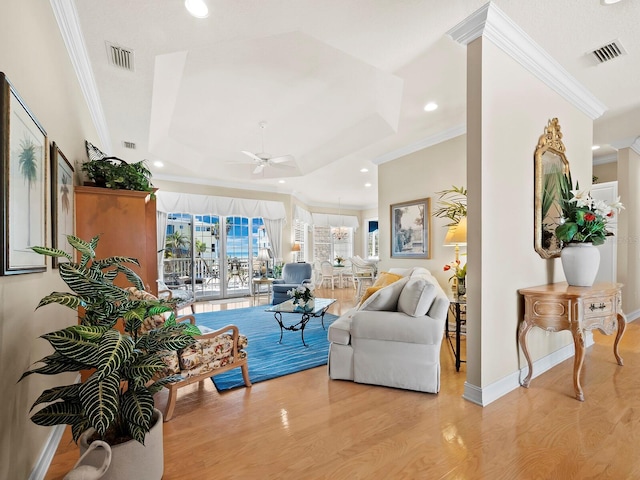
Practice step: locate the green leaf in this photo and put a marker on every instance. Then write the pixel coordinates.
(137, 409)
(566, 231)
(55, 364)
(114, 351)
(58, 413)
(51, 252)
(67, 392)
(100, 399)
(73, 346)
(63, 298)
(144, 367)
(156, 386)
(85, 248)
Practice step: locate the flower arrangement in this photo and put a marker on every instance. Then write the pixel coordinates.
(302, 293)
(584, 219)
(459, 272)
(339, 260)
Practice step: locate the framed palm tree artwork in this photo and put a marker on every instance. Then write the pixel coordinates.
(62, 206)
(23, 154)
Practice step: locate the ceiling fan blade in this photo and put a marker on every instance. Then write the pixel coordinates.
(258, 169)
(283, 167)
(252, 155)
(282, 159)
(241, 162)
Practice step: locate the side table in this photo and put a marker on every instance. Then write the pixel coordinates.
(559, 306)
(455, 308)
(257, 284)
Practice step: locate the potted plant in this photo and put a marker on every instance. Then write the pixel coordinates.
(452, 204)
(116, 399)
(115, 173)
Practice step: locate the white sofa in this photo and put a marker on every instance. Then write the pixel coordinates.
(394, 337)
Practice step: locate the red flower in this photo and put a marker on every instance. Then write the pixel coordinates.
(447, 267)
(589, 217)
(610, 214)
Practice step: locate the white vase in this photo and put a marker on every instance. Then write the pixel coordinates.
(580, 262)
(131, 459)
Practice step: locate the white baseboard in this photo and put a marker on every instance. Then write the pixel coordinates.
(632, 316)
(47, 453)
(490, 393)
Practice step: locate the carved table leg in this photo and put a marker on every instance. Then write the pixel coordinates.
(622, 325)
(522, 339)
(578, 340)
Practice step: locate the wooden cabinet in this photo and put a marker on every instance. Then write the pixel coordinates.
(558, 306)
(126, 222)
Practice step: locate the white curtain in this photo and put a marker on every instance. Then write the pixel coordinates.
(170, 202)
(274, 232)
(330, 220)
(161, 238)
(302, 215)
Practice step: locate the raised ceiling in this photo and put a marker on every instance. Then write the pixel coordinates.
(341, 85)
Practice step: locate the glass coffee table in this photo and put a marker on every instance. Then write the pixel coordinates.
(321, 305)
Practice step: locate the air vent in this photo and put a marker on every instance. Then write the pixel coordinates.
(609, 51)
(129, 145)
(120, 57)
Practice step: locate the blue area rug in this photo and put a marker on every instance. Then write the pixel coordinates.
(268, 358)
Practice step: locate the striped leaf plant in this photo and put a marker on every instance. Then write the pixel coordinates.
(124, 368)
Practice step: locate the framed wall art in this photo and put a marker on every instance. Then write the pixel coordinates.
(411, 229)
(62, 206)
(23, 154)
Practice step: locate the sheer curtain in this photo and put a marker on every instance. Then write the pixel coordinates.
(274, 231)
(161, 236)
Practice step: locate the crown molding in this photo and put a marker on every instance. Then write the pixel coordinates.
(67, 18)
(421, 144)
(633, 143)
(493, 24)
(606, 159)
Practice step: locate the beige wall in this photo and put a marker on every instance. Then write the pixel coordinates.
(508, 109)
(607, 172)
(35, 60)
(420, 175)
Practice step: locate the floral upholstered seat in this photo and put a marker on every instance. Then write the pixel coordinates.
(214, 352)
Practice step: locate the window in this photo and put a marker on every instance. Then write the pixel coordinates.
(372, 240)
(300, 237)
(327, 247)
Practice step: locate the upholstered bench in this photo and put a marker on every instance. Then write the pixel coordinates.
(214, 352)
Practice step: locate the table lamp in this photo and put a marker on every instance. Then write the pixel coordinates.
(263, 256)
(295, 249)
(456, 237)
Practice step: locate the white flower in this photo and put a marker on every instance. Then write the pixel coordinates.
(617, 205)
(581, 198)
(601, 208)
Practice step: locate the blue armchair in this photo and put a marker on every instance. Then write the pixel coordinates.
(293, 275)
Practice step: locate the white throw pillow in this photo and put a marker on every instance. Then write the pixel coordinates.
(385, 299)
(404, 272)
(416, 297)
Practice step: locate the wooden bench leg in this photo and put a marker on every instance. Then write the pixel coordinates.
(245, 375)
(171, 403)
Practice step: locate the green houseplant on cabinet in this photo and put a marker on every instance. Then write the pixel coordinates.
(116, 399)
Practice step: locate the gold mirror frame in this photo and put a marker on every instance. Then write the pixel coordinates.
(550, 164)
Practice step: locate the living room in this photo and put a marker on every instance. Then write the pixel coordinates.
(494, 160)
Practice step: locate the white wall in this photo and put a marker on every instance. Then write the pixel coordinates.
(34, 58)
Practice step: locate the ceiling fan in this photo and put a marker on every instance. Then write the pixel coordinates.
(263, 159)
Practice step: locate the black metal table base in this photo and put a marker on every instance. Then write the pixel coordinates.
(306, 316)
(455, 309)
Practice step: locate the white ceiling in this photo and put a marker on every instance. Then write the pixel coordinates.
(340, 84)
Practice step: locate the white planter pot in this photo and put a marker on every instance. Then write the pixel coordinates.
(131, 459)
(580, 262)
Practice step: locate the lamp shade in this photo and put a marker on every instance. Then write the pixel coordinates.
(457, 234)
(263, 255)
(296, 247)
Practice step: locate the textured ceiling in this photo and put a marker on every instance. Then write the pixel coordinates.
(340, 84)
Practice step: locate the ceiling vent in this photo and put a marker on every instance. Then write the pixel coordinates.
(129, 145)
(609, 51)
(120, 57)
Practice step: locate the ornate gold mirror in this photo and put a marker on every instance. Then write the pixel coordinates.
(550, 165)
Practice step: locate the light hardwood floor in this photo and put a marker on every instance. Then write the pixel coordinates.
(305, 426)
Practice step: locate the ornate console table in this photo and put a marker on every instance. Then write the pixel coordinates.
(558, 306)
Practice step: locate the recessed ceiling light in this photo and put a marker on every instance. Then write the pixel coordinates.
(197, 8)
(281, 181)
(364, 170)
(430, 107)
(595, 147)
(158, 164)
(367, 184)
(608, 2)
